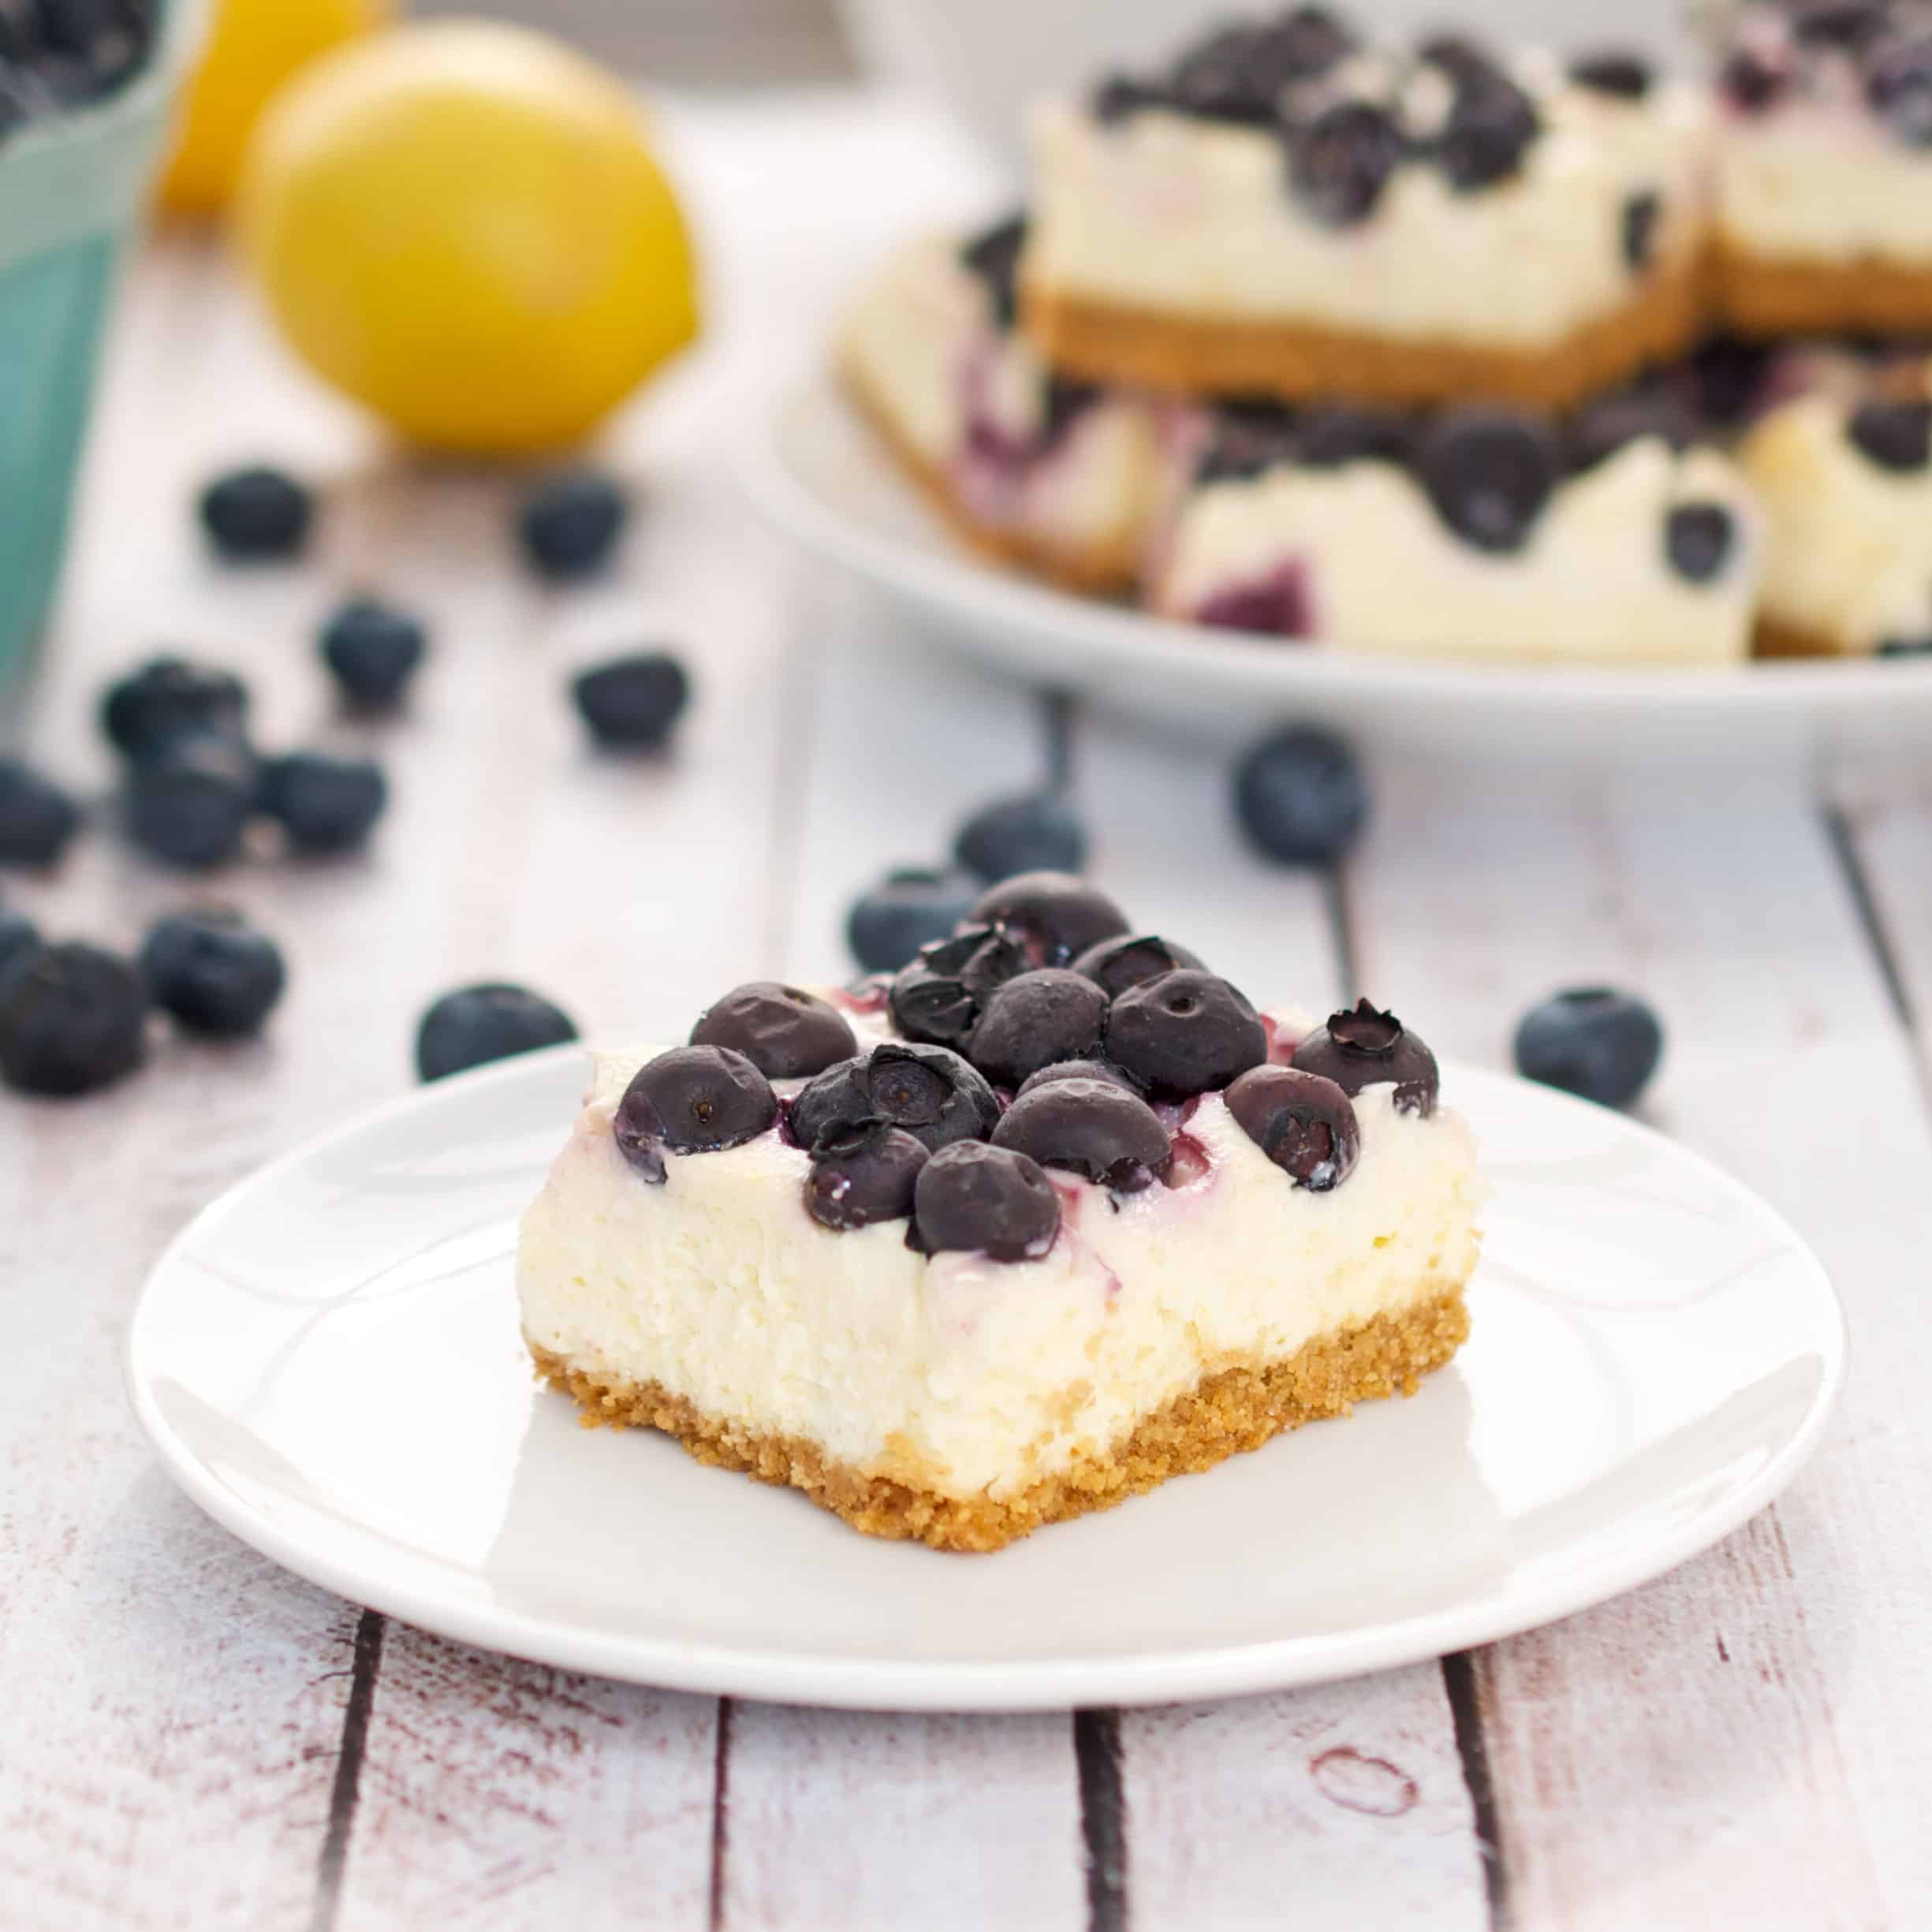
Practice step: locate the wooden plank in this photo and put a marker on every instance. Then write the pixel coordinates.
(1741, 1742)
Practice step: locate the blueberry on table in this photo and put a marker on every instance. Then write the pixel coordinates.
(190, 807)
(1036, 1018)
(785, 1031)
(475, 1024)
(1051, 916)
(1186, 1032)
(1304, 1123)
(73, 1018)
(1038, 832)
(1594, 1041)
(373, 649)
(692, 1100)
(568, 523)
(971, 1198)
(256, 514)
(869, 1175)
(1365, 1046)
(324, 804)
(632, 702)
(159, 704)
(37, 817)
(20, 939)
(908, 909)
(212, 971)
(1095, 1128)
(1301, 796)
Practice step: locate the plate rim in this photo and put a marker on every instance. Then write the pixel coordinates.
(892, 1684)
(980, 598)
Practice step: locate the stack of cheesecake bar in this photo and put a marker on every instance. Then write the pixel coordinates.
(1451, 350)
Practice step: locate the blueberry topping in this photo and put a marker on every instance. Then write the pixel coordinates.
(1489, 470)
(632, 702)
(973, 1199)
(1050, 916)
(1120, 95)
(1038, 832)
(1081, 1070)
(692, 1100)
(324, 804)
(870, 1174)
(1187, 1032)
(1244, 439)
(1752, 78)
(1491, 123)
(1304, 1123)
(213, 971)
(191, 807)
(1602, 427)
(1366, 1047)
(20, 939)
(1698, 538)
(73, 1018)
(994, 258)
(1639, 228)
(166, 699)
(931, 1092)
(1051, 1013)
(1592, 1041)
(1229, 77)
(912, 908)
(1329, 434)
(1300, 795)
(1728, 373)
(372, 650)
(1898, 83)
(937, 998)
(1457, 55)
(1277, 605)
(1095, 1128)
(1625, 76)
(476, 1024)
(833, 1104)
(1339, 163)
(256, 514)
(37, 817)
(785, 1032)
(568, 523)
(1115, 965)
(1895, 435)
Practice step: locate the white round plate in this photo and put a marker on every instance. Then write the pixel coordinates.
(328, 1361)
(820, 473)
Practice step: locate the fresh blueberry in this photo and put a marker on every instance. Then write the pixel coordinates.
(1592, 1041)
(911, 909)
(1246, 439)
(1051, 916)
(1331, 434)
(1366, 1047)
(1752, 78)
(1050, 1013)
(20, 939)
(108, 38)
(1339, 163)
(937, 999)
(152, 709)
(255, 514)
(1491, 124)
(1115, 965)
(1186, 1032)
(1081, 1070)
(1602, 427)
(785, 1032)
(475, 1024)
(868, 1176)
(372, 649)
(931, 1092)
(974, 1199)
(1728, 375)
(568, 523)
(1095, 1128)
(1489, 470)
(692, 1100)
(1641, 212)
(1698, 538)
(324, 804)
(632, 702)
(1304, 1123)
(73, 1017)
(191, 807)
(1624, 75)
(1240, 73)
(1301, 796)
(213, 971)
(1038, 833)
(1120, 96)
(1457, 55)
(1895, 435)
(993, 256)
(37, 817)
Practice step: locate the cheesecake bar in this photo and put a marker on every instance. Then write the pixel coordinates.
(1479, 532)
(1052, 1216)
(1052, 475)
(1823, 217)
(1285, 212)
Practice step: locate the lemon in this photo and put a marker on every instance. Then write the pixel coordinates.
(461, 225)
(253, 47)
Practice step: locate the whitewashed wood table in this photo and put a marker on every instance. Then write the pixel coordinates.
(193, 1738)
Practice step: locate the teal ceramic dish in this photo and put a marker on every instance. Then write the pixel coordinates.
(72, 189)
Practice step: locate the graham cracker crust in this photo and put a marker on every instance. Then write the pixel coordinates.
(1234, 1408)
(1762, 295)
(1099, 570)
(1203, 355)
